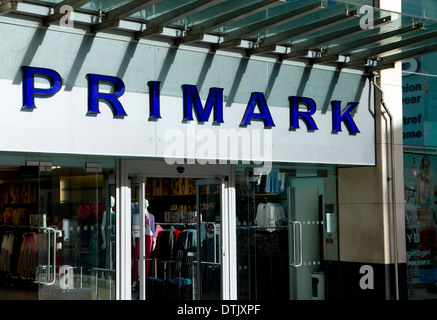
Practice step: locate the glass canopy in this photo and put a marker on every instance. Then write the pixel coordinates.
(348, 34)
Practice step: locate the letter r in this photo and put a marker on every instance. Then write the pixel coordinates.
(306, 117)
(29, 90)
(94, 94)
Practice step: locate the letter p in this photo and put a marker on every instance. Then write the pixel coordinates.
(29, 90)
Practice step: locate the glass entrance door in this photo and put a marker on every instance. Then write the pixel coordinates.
(286, 233)
(76, 240)
(209, 245)
(309, 208)
(304, 240)
(176, 238)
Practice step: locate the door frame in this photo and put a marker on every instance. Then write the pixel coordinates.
(127, 168)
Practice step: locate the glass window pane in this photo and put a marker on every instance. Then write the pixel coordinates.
(283, 240)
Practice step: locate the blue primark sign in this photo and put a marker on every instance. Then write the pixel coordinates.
(257, 108)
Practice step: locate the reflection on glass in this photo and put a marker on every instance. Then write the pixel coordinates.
(171, 253)
(59, 227)
(421, 224)
(262, 236)
(80, 206)
(183, 260)
(210, 241)
(282, 243)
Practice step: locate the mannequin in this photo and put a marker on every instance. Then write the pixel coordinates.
(149, 239)
(149, 234)
(104, 221)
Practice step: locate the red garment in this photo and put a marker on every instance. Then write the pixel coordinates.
(148, 249)
(176, 234)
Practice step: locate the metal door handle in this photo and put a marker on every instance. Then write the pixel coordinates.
(299, 227)
(48, 254)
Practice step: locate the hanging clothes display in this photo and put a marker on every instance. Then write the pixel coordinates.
(275, 182)
(6, 252)
(272, 182)
(19, 253)
(28, 259)
(270, 215)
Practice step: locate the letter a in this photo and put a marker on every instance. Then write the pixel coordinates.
(257, 99)
(366, 21)
(366, 281)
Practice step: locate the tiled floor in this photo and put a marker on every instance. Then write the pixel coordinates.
(422, 294)
(18, 294)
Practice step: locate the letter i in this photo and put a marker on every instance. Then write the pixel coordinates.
(154, 99)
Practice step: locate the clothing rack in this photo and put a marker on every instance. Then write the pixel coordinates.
(268, 255)
(265, 228)
(190, 224)
(18, 252)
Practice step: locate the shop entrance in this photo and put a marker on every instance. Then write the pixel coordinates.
(308, 237)
(178, 252)
(56, 224)
(286, 232)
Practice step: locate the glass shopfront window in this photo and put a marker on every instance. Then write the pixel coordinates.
(421, 223)
(182, 239)
(419, 79)
(57, 224)
(286, 232)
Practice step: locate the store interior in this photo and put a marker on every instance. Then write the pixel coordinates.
(72, 202)
(180, 234)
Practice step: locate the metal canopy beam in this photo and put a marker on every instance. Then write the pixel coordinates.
(174, 15)
(331, 54)
(383, 49)
(300, 48)
(390, 60)
(8, 6)
(300, 31)
(56, 16)
(356, 63)
(129, 9)
(236, 36)
(73, 3)
(374, 50)
(113, 17)
(196, 32)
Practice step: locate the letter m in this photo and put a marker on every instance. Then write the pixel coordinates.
(339, 116)
(192, 99)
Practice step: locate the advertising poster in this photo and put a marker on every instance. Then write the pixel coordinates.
(419, 99)
(413, 111)
(419, 81)
(421, 217)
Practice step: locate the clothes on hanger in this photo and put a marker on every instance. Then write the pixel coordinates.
(275, 182)
(270, 215)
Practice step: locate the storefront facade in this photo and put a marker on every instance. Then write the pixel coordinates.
(419, 158)
(240, 165)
